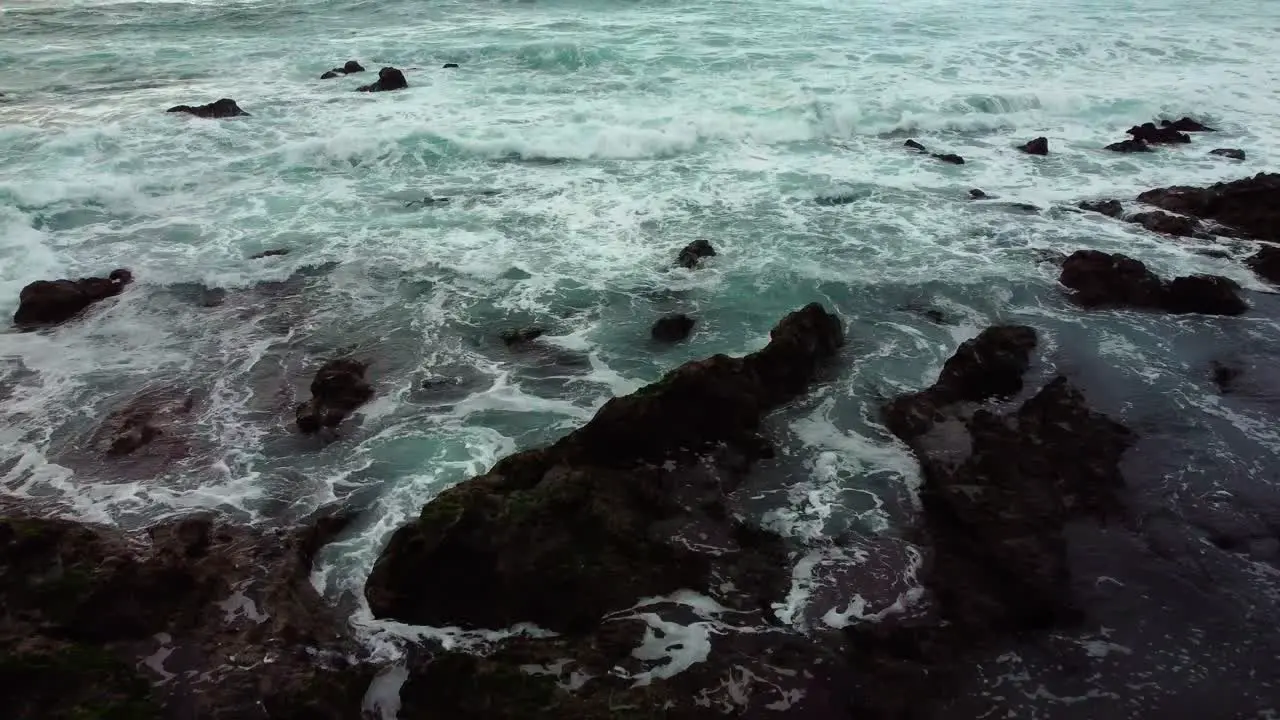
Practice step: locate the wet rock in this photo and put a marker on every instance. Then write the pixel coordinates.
(1129, 146)
(149, 416)
(1266, 263)
(1162, 222)
(1251, 206)
(949, 158)
(1039, 146)
(389, 78)
(915, 146)
(598, 516)
(521, 336)
(1224, 376)
(240, 626)
(976, 194)
(672, 328)
(223, 108)
(1152, 135)
(1110, 208)
(1232, 153)
(337, 390)
(51, 302)
(1186, 124)
(694, 252)
(269, 253)
(1113, 280)
(832, 200)
(350, 67)
(450, 66)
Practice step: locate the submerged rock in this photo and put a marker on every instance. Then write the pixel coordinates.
(337, 390)
(450, 66)
(1039, 146)
(1129, 146)
(1163, 222)
(1101, 279)
(147, 417)
(1186, 124)
(976, 194)
(223, 108)
(350, 67)
(1250, 206)
(1232, 153)
(915, 146)
(1149, 133)
(1110, 208)
(269, 253)
(1224, 376)
(951, 158)
(672, 328)
(389, 78)
(51, 302)
(512, 338)
(597, 517)
(694, 252)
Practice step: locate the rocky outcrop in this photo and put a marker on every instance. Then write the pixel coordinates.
(223, 618)
(694, 252)
(1232, 153)
(1039, 146)
(672, 328)
(1129, 146)
(602, 516)
(350, 67)
(51, 302)
(1266, 263)
(224, 108)
(1249, 207)
(1152, 135)
(1102, 279)
(1185, 124)
(1110, 208)
(1167, 224)
(944, 157)
(389, 78)
(337, 390)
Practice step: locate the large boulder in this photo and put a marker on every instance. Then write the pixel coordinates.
(563, 535)
(1149, 133)
(337, 390)
(1250, 207)
(389, 78)
(224, 108)
(1101, 279)
(50, 302)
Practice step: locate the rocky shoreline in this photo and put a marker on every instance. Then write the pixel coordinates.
(624, 529)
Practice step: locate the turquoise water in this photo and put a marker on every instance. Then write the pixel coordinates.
(581, 145)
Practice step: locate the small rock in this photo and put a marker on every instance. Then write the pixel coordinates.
(832, 200)
(1233, 153)
(1163, 222)
(330, 74)
(44, 302)
(389, 78)
(1039, 146)
(1110, 208)
(1266, 263)
(351, 66)
(914, 145)
(337, 390)
(672, 328)
(976, 194)
(450, 66)
(1186, 124)
(1206, 294)
(1149, 133)
(1129, 146)
(269, 253)
(223, 108)
(694, 252)
(521, 335)
(949, 158)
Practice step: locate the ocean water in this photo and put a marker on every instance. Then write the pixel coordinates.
(581, 144)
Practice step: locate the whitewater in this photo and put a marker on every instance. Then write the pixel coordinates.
(578, 145)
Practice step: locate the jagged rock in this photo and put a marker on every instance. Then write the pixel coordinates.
(1186, 124)
(269, 253)
(51, 302)
(1129, 146)
(694, 252)
(389, 78)
(351, 66)
(1232, 153)
(597, 516)
(1250, 206)
(223, 108)
(521, 336)
(337, 390)
(86, 604)
(1162, 222)
(1266, 263)
(1110, 208)
(672, 328)
(1039, 146)
(1113, 280)
(1150, 134)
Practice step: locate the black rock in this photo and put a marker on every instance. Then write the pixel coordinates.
(521, 336)
(693, 253)
(389, 78)
(337, 390)
(832, 200)
(1102, 279)
(450, 66)
(977, 194)
(1149, 133)
(1266, 263)
(51, 302)
(269, 253)
(1249, 207)
(1110, 208)
(1129, 146)
(1167, 224)
(1186, 124)
(223, 108)
(1039, 146)
(914, 146)
(352, 66)
(1224, 376)
(330, 74)
(672, 328)
(949, 158)
(1232, 153)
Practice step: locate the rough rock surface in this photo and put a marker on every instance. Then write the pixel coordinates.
(223, 108)
(351, 66)
(1250, 206)
(224, 619)
(1129, 146)
(1167, 224)
(1110, 208)
(694, 252)
(337, 390)
(1149, 133)
(1266, 262)
(50, 302)
(672, 328)
(1039, 146)
(1102, 279)
(389, 78)
(1185, 124)
(1232, 153)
